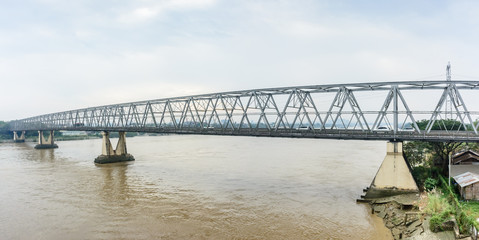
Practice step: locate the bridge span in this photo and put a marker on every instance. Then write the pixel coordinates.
(367, 111)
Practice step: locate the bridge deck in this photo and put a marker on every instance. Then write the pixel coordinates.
(433, 136)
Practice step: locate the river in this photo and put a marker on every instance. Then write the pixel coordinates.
(191, 187)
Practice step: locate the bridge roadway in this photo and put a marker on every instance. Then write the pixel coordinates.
(334, 111)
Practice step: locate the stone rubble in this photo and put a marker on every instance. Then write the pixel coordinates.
(402, 223)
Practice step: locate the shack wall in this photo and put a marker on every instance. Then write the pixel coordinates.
(475, 191)
(471, 192)
(468, 191)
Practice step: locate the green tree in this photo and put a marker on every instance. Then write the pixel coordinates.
(416, 152)
(447, 124)
(441, 151)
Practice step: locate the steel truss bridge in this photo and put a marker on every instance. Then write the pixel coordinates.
(368, 111)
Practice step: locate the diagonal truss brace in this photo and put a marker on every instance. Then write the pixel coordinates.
(453, 94)
(344, 95)
(393, 96)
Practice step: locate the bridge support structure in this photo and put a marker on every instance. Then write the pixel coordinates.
(393, 177)
(18, 139)
(110, 155)
(45, 144)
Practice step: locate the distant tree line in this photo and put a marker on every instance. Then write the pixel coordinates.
(5, 133)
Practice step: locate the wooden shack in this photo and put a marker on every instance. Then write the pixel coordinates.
(465, 158)
(468, 185)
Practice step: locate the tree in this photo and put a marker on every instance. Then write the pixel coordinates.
(416, 152)
(447, 124)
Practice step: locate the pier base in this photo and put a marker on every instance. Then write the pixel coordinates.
(102, 159)
(45, 144)
(112, 156)
(18, 139)
(393, 177)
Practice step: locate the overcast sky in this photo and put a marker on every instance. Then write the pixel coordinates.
(58, 55)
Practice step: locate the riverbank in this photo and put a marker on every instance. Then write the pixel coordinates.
(406, 217)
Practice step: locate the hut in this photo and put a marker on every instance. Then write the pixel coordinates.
(468, 185)
(465, 158)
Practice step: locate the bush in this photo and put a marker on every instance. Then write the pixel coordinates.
(420, 173)
(440, 211)
(430, 184)
(465, 221)
(435, 223)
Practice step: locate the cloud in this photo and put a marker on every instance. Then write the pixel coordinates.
(155, 9)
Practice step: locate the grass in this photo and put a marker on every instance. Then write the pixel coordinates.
(437, 203)
(440, 210)
(472, 208)
(464, 215)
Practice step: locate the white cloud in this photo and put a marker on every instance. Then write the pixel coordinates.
(155, 9)
(139, 15)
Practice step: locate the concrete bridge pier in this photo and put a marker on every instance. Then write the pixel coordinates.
(108, 155)
(45, 144)
(393, 177)
(18, 139)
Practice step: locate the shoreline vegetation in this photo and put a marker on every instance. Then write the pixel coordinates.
(437, 212)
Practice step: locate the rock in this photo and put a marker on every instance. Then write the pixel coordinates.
(397, 220)
(389, 224)
(418, 231)
(379, 208)
(382, 214)
(394, 217)
(396, 233)
(448, 225)
(411, 218)
(413, 226)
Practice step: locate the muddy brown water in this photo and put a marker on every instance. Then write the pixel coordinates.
(191, 187)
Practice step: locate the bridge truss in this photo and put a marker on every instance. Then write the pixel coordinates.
(371, 111)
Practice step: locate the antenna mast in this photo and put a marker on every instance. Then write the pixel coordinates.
(448, 71)
(449, 100)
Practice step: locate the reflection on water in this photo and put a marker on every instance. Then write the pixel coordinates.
(191, 187)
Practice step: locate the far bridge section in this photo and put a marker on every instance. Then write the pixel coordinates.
(368, 111)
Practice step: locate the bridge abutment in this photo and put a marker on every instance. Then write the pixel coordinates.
(109, 155)
(45, 144)
(18, 139)
(394, 176)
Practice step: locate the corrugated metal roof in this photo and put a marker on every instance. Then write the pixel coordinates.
(466, 179)
(468, 155)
